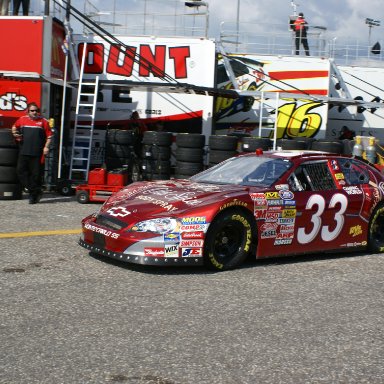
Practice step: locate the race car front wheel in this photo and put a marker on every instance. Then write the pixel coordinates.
(376, 231)
(228, 240)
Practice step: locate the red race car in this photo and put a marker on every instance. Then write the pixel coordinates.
(260, 204)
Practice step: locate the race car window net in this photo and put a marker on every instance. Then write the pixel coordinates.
(245, 170)
(318, 176)
(354, 172)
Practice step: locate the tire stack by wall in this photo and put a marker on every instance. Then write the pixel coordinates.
(328, 145)
(156, 155)
(10, 188)
(118, 148)
(221, 147)
(296, 143)
(189, 154)
(251, 144)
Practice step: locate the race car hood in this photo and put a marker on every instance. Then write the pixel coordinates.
(146, 200)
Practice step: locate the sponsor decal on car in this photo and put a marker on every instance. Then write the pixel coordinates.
(171, 250)
(187, 252)
(288, 213)
(286, 195)
(269, 227)
(353, 190)
(171, 237)
(257, 196)
(283, 242)
(118, 212)
(193, 227)
(272, 195)
(281, 186)
(164, 204)
(339, 176)
(154, 252)
(193, 220)
(268, 234)
(355, 231)
(102, 231)
(191, 243)
(287, 228)
(285, 235)
(192, 235)
(282, 220)
(275, 202)
(233, 204)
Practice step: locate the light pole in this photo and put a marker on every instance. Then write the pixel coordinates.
(371, 23)
(237, 24)
(196, 4)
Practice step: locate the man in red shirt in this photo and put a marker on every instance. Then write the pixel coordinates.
(34, 134)
(300, 26)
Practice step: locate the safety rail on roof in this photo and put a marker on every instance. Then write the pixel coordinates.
(278, 39)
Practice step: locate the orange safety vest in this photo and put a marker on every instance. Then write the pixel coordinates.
(299, 24)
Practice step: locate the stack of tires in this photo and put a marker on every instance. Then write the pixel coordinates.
(189, 154)
(251, 144)
(118, 148)
(121, 147)
(156, 155)
(10, 188)
(328, 145)
(221, 147)
(298, 143)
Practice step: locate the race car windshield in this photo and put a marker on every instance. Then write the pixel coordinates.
(245, 170)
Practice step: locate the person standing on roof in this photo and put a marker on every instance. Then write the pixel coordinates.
(16, 6)
(34, 135)
(300, 26)
(4, 5)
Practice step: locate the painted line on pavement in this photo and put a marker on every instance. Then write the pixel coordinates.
(40, 233)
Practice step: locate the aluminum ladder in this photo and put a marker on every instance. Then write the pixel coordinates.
(84, 124)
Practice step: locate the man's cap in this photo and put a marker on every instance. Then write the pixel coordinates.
(301, 14)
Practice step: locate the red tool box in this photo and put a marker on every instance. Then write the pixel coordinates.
(101, 185)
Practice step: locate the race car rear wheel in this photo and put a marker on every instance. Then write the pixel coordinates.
(228, 240)
(376, 231)
(82, 197)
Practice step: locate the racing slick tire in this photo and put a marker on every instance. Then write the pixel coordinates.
(228, 241)
(223, 142)
(156, 152)
(10, 191)
(250, 144)
(82, 197)
(6, 138)
(121, 136)
(376, 231)
(291, 144)
(191, 155)
(8, 174)
(332, 146)
(190, 140)
(187, 169)
(158, 138)
(216, 156)
(8, 156)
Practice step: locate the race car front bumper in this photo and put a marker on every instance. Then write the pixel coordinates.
(144, 260)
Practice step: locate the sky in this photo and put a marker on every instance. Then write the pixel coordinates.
(342, 18)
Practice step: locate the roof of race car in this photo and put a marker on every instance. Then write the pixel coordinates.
(291, 153)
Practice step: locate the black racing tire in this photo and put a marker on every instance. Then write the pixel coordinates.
(117, 162)
(121, 136)
(191, 155)
(229, 239)
(291, 144)
(376, 231)
(331, 146)
(11, 191)
(159, 138)
(82, 197)
(189, 169)
(217, 156)
(8, 174)
(250, 144)
(222, 142)
(180, 176)
(190, 140)
(6, 138)
(156, 152)
(8, 156)
(65, 188)
(118, 150)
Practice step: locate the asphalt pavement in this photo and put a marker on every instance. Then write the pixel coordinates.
(70, 317)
